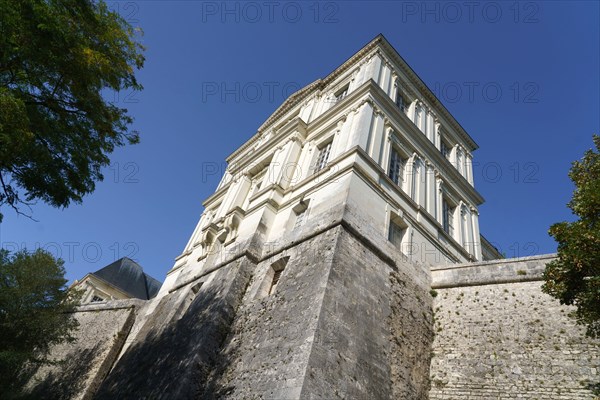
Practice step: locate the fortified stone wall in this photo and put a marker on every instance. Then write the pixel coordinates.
(497, 336)
(83, 364)
(336, 326)
(350, 318)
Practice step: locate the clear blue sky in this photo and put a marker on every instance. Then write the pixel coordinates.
(522, 79)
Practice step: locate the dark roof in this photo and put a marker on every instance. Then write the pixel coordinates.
(128, 276)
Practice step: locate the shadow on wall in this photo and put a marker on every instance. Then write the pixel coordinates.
(173, 358)
(67, 383)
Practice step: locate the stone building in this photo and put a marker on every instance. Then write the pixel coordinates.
(339, 258)
(370, 135)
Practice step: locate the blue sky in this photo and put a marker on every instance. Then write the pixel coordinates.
(521, 77)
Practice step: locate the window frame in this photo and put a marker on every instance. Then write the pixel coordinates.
(448, 213)
(399, 160)
(322, 159)
(397, 231)
(445, 149)
(341, 93)
(96, 299)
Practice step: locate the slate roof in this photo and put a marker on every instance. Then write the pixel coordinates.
(128, 276)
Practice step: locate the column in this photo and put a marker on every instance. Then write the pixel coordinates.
(452, 157)
(274, 168)
(387, 149)
(384, 78)
(460, 227)
(290, 172)
(339, 144)
(376, 140)
(460, 161)
(361, 125)
(236, 194)
(373, 68)
(394, 87)
(431, 190)
(439, 197)
(469, 168)
(437, 138)
(409, 177)
(476, 234)
(305, 159)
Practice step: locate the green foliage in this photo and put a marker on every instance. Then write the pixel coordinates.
(56, 129)
(574, 278)
(35, 313)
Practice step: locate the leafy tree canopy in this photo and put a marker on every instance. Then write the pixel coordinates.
(35, 313)
(56, 129)
(574, 278)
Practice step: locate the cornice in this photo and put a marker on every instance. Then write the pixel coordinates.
(302, 94)
(381, 46)
(425, 91)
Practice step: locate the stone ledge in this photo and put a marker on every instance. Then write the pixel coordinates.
(524, 269)
(112, 305)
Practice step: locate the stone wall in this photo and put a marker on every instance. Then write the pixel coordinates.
(350, 318)
(83, 364)
(374, 331)
(336, 327)
(497, 336)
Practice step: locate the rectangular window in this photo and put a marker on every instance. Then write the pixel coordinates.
(396, 171)
(341, 94)
(447, 217)
(400, 100)
(97, 299)
(445, 149)
(418, 116)
(257, 180)
(396, 234)
(323, 157)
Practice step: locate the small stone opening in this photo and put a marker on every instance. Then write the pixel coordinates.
(272, 277)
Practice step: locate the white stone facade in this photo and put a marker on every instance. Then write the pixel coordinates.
(370, 134)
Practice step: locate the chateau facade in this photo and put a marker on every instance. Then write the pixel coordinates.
(339, 258)
(371, 134)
